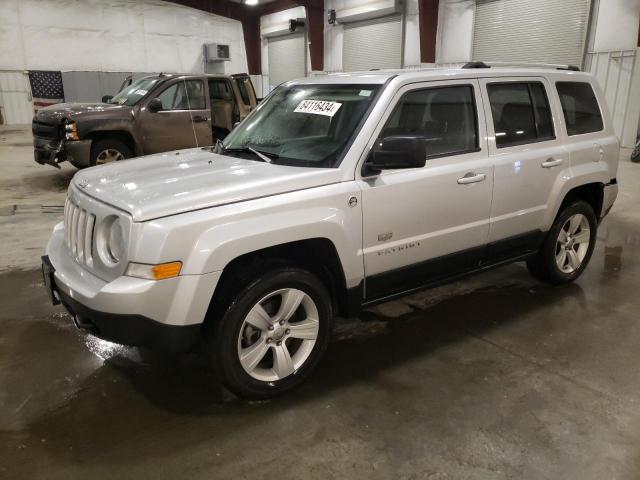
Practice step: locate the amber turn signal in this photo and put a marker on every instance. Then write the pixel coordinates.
(161, 271)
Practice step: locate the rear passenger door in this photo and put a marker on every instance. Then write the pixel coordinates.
(422, 225)
(529, 161)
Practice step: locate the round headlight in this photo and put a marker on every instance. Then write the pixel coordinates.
(111, 241)
(115, 242)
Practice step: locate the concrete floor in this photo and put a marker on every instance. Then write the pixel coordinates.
(493, 377)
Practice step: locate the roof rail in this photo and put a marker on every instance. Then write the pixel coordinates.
(557, 66)
(476, 65)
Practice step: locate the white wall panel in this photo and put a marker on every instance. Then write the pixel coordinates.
(120, 35)
(15, 97)
(455, 31)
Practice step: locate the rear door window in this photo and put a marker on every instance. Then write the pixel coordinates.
(445, 116)
(520, 112)
(580, 108)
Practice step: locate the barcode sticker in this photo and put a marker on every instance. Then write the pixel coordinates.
(318, 107)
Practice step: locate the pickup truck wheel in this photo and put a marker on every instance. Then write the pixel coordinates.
(109, 150)
(568, 247)
(273, 333)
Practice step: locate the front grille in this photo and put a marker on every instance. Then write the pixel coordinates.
(45, 130)
(78, 232)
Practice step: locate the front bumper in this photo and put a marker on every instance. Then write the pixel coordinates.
(50, 152)
(164, 314)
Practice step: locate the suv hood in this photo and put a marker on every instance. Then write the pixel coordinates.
(175, 182)
(53, 113)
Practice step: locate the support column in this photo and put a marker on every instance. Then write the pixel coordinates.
(428, 20)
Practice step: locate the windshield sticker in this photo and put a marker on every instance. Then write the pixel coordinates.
(365, 93)
(318, 107)
(140, 92)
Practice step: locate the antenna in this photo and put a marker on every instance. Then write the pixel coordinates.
(193, 127)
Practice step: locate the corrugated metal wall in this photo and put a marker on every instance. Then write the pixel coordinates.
(15, 97)
(618, 73)
(373, 43)
(534, 31)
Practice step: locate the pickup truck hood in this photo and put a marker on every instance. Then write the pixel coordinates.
(175, 182)
(53, 113)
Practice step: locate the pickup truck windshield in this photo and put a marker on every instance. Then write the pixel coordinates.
(134, 92)
(303, 125)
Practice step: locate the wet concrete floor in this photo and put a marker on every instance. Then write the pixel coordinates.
(493, 377)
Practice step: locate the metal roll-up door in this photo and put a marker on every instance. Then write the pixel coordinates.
(373, 43)
(531, 31)
(287, 59)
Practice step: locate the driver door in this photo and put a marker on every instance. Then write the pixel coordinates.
(423, 225)
(183, 121)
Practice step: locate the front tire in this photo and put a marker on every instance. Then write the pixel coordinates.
(109, 150)
(272, 334)
(568, 246)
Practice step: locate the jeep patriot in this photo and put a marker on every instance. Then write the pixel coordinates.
(335, 193)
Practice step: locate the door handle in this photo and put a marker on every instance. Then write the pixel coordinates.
(199, 118)
(472, 177)
(552, 162)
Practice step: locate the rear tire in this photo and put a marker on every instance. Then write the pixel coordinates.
(109, 150)
(568, 246)
(271, 334)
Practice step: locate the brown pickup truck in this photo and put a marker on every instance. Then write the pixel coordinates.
(154, 114)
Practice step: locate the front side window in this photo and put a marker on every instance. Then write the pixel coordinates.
(304, 125)
(444, 116)
(134, 92)
(580, 108)
(183, 95)
(520, 113)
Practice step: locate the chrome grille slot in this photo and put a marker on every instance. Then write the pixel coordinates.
(78, 232)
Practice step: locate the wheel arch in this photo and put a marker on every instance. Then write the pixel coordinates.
(123, 135)
(318, 255)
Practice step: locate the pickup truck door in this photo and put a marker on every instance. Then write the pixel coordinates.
(184, 120)
(426, 224)
(529, 161)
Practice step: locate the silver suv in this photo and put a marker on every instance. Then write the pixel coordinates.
(336, 193)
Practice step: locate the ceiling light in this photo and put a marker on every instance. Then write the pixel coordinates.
(251, 2)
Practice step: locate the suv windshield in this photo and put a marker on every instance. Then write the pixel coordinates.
(304, 125)
(134, 92)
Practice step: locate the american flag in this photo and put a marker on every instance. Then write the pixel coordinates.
(46, 88)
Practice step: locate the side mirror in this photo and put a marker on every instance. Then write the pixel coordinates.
(394, 152)
(106, 98)
(235, 125)
(154, 105)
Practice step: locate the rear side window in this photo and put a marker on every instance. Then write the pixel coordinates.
(244, 92)
(445, 117)
(580, 107)
(520, 112)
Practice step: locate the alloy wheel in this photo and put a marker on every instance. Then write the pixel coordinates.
(109, 155)
(572, 244)
(278, 335)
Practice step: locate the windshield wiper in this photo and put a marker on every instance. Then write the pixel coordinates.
(264, 156)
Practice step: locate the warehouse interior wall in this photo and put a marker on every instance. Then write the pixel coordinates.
(93, 34)
(615, 25)
(273, 25)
